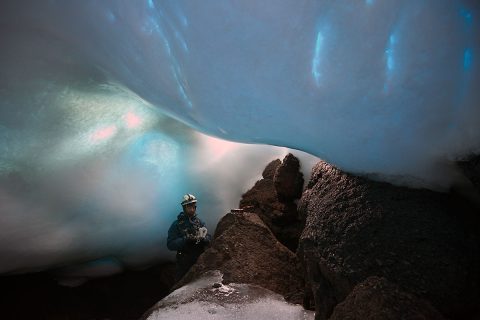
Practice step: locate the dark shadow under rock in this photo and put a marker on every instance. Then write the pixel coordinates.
(357, 228)
(246, 251)
(378, 299)
(124, 296)
(273, 199)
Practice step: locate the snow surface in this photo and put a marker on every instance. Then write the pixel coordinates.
(93, 162)
(201, 300)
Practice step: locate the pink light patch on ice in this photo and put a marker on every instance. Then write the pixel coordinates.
(104, 133)
(217, 148)
(132, 120)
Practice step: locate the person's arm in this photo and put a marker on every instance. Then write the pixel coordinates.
(175, 240)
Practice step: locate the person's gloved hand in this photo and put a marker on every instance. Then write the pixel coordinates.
(198, 236)
(202, 233)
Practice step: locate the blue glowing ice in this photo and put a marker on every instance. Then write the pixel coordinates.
(316, 58)
(390, 53)
(151, 5)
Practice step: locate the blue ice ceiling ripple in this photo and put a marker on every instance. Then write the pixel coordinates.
(372, 86)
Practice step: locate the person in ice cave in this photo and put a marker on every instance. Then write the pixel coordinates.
(188, 235)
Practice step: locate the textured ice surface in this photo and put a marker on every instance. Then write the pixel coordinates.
(92, 165)
(200, 300)
(387, 87)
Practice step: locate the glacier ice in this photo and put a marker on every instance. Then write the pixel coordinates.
(89, 90)
(388, 87)
(101, 175)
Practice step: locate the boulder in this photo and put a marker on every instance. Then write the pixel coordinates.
(246, 251)
(378, 299)
(357, 228)
(272, 198)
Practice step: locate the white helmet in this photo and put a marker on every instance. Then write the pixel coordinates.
(188, 198)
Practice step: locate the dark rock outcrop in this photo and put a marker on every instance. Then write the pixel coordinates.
(378, 299)
(357, 228)
(288, 180)
(272, 198)
(246, 251)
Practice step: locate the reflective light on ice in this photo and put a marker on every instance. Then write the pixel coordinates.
(104, 133)
(316, 58)
(132, 120)
(151, 5)
(390, 52)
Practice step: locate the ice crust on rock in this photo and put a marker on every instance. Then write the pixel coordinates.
(202, 300)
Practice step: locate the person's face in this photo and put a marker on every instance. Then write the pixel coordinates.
(190, 209)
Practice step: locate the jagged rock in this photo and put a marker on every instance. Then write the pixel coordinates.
(288, 180)
(272, 198)
(357, 228)
(378, 299)
(246, 251)
(270, 169)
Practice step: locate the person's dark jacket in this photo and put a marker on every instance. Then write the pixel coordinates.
(180, 229)
(178, 240)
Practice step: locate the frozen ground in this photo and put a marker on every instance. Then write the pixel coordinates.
(208, 299)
